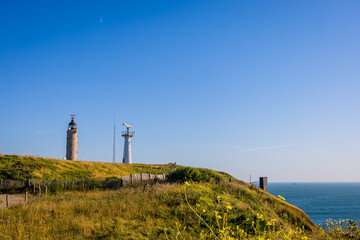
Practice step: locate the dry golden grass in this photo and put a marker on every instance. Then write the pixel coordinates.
(212, 208)
(146, 212)
(22, 167)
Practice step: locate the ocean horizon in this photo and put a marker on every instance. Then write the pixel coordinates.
(321, 200)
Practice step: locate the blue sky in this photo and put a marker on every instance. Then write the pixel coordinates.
(267, 88)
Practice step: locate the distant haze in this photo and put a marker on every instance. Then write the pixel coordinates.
(267, 88)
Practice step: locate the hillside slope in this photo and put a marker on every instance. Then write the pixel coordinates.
(195, 203)
(160, 211)
(29, 167)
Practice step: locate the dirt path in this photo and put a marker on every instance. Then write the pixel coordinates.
(12, 200)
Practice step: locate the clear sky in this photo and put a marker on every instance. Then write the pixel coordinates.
(267, 88)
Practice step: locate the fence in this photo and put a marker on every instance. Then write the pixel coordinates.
(35, 186)
(4, 183)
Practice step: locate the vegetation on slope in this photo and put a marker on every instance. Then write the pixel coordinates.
(159, 211)
(29, 167)
(183, 174)
(198, 204)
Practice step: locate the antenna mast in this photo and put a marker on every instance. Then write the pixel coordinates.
(114, 139)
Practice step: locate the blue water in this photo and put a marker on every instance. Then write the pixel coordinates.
(321, 201)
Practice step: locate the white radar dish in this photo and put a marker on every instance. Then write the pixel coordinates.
(126, 125)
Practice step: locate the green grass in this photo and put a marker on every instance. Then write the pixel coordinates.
(29, 167)
(195, 204)
(183, 174)
(206, 210)
(150, 212)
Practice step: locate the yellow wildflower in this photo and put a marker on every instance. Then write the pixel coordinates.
(281, 198)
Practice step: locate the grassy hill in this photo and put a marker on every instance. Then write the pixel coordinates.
(194, 204)
(30, 167)
(160, 211)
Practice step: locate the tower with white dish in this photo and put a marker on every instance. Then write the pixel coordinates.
(127, 144)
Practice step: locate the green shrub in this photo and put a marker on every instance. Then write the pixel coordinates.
(183, 174)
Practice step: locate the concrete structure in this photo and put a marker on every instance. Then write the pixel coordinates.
(72, 140)
(264, 183)
(127, 144)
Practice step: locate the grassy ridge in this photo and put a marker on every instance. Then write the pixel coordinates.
(196, 204)
(159, 211)
(23, 167)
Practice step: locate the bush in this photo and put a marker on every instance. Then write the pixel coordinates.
(189, 174)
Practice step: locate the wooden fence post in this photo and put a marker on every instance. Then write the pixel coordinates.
(45, 190)
(34, 190)
(27, 183)
(141, 178)
(7, 200)
(131, 178)
(26, 196)
(39, 190)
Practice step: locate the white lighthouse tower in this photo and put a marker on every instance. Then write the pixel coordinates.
(127, 144)
(72, 140)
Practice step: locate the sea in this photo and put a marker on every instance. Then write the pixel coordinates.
(322, 201)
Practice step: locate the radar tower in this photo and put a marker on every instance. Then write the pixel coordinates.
(127, 144)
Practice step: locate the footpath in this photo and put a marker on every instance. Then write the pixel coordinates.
(12, 200)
